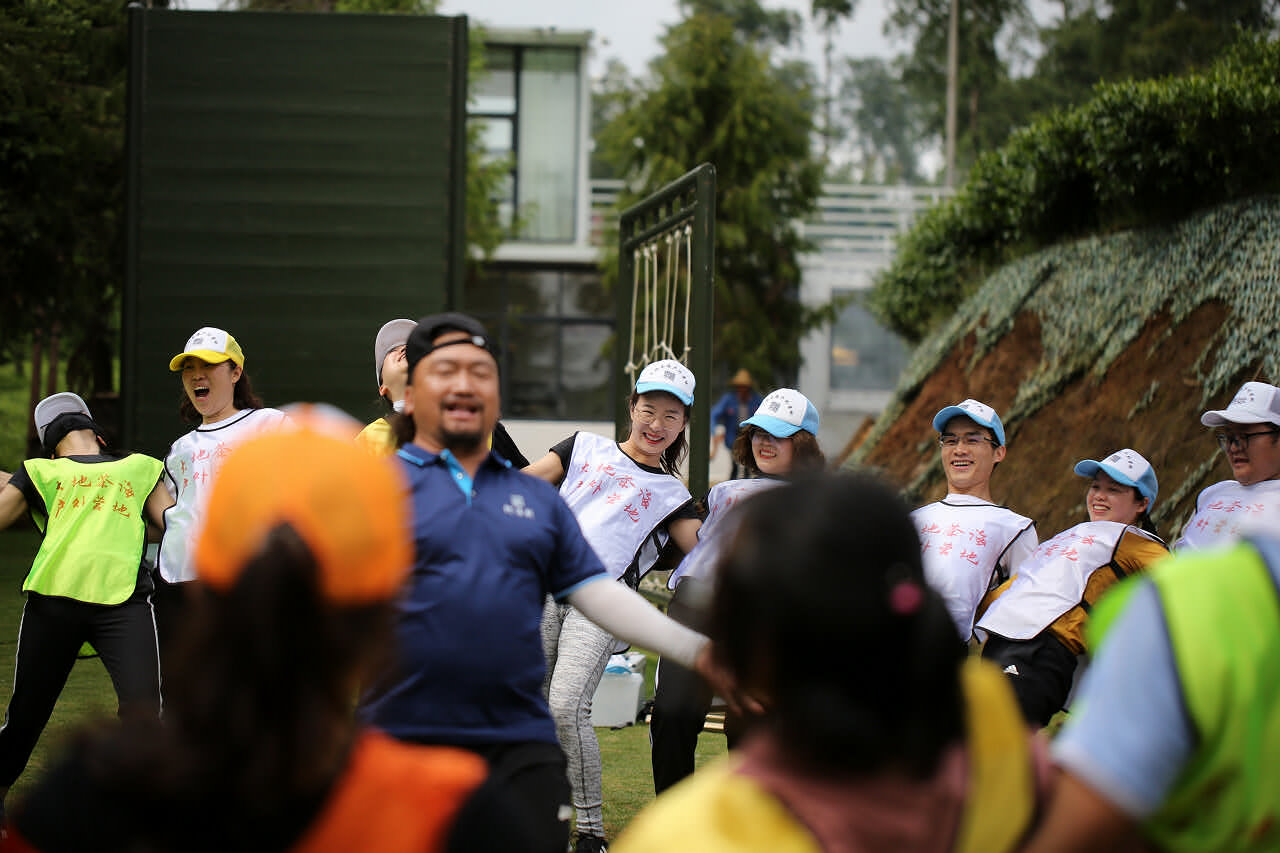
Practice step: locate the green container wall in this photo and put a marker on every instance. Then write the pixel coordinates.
(296, 179)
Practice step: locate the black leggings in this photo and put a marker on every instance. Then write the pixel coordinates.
(49, 639)
(681, 700)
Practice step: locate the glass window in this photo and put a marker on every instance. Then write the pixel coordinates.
(529, 107)
(495, 89)
(547, 160)
(864, 355)
(552, 326)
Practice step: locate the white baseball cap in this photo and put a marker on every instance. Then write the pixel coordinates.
(1254, 403)
(667, 375)
(62, 403)
(393, 333)
(979, 413)
(784, 413)
(1127, 467)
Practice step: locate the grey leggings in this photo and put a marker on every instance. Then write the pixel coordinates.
(577, 651)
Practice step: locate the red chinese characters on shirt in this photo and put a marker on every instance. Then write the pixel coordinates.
(617, 486)
(976, 536)
(94, 495)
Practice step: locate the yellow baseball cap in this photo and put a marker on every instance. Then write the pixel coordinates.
(350, 507)
(211, 345)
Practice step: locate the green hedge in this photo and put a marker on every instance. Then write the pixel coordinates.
(1137, 153)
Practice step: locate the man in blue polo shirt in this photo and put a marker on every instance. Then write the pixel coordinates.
(491, 544)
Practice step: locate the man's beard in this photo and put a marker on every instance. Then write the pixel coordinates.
(462, 442)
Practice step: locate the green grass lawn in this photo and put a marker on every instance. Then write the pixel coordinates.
(628, 780)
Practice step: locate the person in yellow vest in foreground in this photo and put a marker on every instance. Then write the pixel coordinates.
(1174, 738)
(879, 732)
(87, 582)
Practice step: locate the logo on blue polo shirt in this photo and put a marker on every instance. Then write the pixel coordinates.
(516, 506)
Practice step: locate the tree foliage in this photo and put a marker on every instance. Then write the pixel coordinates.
(884, 122)
(1137, 153)
(62, 80)
(715, 97)
(989, 33)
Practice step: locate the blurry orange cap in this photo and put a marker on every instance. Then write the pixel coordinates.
(350, 507)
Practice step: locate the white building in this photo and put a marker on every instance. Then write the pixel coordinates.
(541, 295)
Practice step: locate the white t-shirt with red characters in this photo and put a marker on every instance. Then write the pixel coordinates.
(970, 546)
(189, 468)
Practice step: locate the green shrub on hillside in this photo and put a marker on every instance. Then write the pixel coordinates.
(1137, 153)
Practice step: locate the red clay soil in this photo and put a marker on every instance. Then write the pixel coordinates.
(1088, 419)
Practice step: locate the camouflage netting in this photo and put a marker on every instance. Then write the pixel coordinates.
(1084, 348)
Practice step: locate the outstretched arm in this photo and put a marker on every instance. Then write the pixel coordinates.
(12, 504)
(1080, 820)
(548, 468)
(624, 613)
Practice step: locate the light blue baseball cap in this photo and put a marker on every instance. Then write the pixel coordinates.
(1127, 467)
(667, 375)
(784, 413)
(979, 413)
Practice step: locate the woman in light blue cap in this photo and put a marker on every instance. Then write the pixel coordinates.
(1035, 628)
(630, 502)
(778, 441)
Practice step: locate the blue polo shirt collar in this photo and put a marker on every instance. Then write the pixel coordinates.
(422, 458)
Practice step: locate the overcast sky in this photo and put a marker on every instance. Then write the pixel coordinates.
(630, 30)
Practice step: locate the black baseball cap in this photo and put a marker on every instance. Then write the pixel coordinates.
(422, 339)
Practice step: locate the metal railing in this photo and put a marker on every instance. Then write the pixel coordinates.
(850, 219)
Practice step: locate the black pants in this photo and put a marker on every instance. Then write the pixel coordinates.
(172, 608)
(681, 700)
(49, 638)
(533, 777)
(1040, 670)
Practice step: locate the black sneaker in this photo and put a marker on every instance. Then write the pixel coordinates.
(590, 844)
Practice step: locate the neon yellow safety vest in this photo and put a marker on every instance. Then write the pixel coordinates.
(93, 526)
(1223, 615)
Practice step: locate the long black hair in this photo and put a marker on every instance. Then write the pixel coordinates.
(258, 705)
(822, 606)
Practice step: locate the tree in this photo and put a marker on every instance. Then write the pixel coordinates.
(1128, 39)
(990, 30)
(715, 97)
(828, 14)
(62, 79)
(883, 121)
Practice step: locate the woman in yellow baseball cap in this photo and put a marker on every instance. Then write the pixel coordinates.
(219, 400)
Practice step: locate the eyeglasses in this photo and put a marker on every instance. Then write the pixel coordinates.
(972, 439)
(1227, 440)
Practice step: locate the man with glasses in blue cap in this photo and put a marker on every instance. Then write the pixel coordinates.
(1248, 431)
(970, 543)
